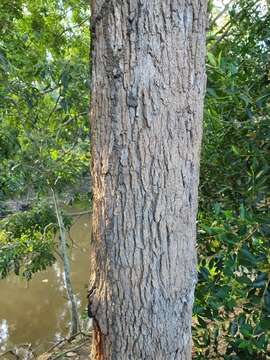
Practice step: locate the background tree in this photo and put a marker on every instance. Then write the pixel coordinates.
(44, 129)
(233, 294)
(146, 115)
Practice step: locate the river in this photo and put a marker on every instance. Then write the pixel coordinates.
(37, 312)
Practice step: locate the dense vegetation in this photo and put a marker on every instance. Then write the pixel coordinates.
(44, 144)
(232, 306)
(44, 86)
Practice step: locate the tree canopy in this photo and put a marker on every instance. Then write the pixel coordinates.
(44, 142)
(44, 69)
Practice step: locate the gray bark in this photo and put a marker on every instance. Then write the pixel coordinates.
(148, 80)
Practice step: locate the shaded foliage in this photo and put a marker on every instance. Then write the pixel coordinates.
(232, 312)
(26, 241)
(44, 144)
(44, 85)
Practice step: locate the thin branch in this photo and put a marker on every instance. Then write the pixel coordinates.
(64, 340)
(225, 30)
(69, 350)
(9, 352)
(55, 106)
(73, 27)
(79, 213)
(66, 274)
(221, 13)
(48, 90)
(220, 38)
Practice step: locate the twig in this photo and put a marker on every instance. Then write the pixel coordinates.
(63, 340)
(79, 213)
(58, 254)
(48, 90)
(73, 27)
(10, 352)
(69, 350)
(225, 30)
(221, 12)
(55, 106)
(220, 38)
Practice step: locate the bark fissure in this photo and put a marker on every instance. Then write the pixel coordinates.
(146, 114)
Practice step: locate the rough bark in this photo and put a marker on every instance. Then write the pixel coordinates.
(148, 82)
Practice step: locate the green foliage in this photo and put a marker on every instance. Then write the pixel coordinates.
(44, 96)
(26, 241)
(232, 312)
(233, 290)
(44, 87)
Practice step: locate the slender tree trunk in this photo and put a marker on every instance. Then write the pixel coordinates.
(148, 81)
(75, 324)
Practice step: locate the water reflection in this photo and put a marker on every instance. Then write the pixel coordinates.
(38, 312)
(3, 330)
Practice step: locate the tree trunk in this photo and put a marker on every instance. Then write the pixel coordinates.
(148, 81)
(74, 318)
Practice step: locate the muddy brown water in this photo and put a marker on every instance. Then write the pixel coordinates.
(38, 312)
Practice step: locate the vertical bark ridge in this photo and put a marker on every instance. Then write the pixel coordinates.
(146, 121)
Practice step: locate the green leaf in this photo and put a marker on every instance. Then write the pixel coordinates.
(211, 59)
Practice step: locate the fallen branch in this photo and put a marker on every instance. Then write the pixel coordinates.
(10, 352)
(69, 350)
(79, 213)
(62, 341)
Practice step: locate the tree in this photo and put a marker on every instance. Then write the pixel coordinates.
(44, 86)
(148, 82)
(232, 299)
(43, 129)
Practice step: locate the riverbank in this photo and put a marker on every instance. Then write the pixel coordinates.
(76, 347)
(29, 321)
